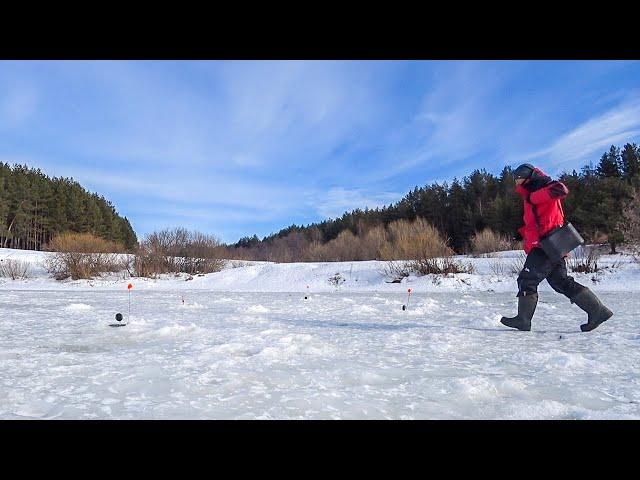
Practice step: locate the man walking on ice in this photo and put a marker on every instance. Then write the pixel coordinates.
(542, 199)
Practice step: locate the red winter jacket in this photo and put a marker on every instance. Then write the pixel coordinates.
(542, 207)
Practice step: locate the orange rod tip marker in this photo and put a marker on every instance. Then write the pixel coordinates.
(129, 287)
(404, 307)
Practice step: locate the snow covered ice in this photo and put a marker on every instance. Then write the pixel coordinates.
(245, 344)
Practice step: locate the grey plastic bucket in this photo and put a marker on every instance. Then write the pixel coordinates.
(560, 241)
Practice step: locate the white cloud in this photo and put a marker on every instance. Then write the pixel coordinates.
(593, 137)
(457, 117)
(238, 114)
(340, 200)
(267, 199)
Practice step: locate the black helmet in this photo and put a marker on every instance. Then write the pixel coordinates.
(523, 171)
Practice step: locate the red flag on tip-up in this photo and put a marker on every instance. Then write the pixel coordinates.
(130, 286)
(404, 307)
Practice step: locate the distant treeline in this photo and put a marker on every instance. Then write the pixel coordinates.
(461, 209)
(34, 208)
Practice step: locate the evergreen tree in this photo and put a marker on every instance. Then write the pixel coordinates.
(34, 208)
(610, 163)
(630, 161)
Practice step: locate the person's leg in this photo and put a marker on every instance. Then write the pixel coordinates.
(562, 283)
(536, 268)
(580, 295)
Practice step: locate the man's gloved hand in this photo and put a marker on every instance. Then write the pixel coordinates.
(558, 189)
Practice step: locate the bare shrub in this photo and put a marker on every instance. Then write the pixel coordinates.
(488, 241)
(373, 242)
(127, 264)
(630, 224)
(616, 264)
(154, 255)
(336, 279)
(498, 268)
(178, 250)
(413, 241)
(516, 266)
(599, 237)
(82, 243)
(82, 255)
(396, 270)
(440, 266)
(344, 247)
(237, 264)
(584, 259)
(422, 246)
(401, 239)
(15, 269)
(318, 252)
(201, 254)
(289, 248)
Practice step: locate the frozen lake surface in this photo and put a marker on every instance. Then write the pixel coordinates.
(346, 355)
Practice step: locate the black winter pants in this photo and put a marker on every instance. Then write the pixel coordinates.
(537, 267)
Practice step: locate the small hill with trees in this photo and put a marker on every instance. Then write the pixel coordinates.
(34, 209)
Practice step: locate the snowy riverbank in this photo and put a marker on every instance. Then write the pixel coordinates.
(618, 273)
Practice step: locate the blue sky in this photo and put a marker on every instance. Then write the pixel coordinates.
(234, 148)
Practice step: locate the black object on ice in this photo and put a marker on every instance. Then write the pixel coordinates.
(404, 307)
(560, 241)
(306, 298)
(526, 308)
(591, 304)
(118, 318)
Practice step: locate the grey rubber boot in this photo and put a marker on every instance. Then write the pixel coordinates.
(591, 304)
(526, 308)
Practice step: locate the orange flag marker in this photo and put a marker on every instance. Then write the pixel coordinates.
(129, 287)
(404, 307)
